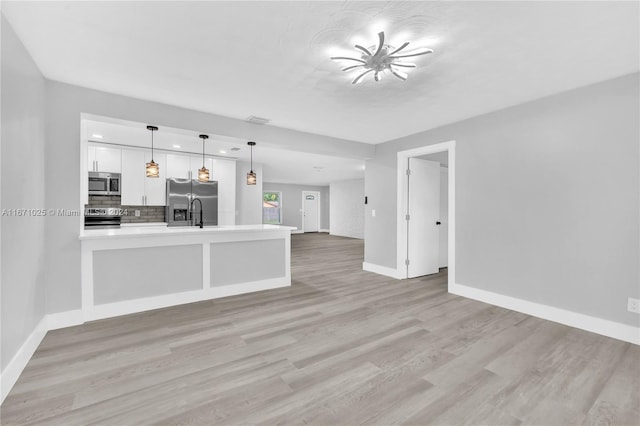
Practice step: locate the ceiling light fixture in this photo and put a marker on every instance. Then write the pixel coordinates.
(96, 136)
(176, 146)
(153, 169)
(380, 58)
(222, 151)
(251, 176)
(203, 173)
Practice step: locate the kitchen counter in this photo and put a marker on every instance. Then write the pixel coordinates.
(163, 230)
(138, 268)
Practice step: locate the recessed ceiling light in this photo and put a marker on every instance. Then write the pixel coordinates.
(222, 151)
(177, 146)
(96, 136)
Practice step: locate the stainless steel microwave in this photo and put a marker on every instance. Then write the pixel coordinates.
(101, 183)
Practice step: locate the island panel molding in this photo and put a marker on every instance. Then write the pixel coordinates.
(258, 260)
(136, 285)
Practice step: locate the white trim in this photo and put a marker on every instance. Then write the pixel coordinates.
(382, 270)
(402, 186)
(323, 230)
(297, 231)
(317, 193)
(12, 371)
(601, 326)
(64, 319)
(110, 310)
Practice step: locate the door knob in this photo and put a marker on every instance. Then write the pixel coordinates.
(437, 223)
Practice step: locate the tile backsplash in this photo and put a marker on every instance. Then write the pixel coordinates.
(147, 213)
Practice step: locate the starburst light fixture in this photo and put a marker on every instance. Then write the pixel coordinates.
(383, 58)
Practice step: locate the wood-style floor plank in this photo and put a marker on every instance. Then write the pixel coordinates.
(340, 346)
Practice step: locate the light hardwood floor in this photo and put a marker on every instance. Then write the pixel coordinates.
(341, 346)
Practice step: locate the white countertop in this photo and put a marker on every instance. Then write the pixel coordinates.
(163, 229)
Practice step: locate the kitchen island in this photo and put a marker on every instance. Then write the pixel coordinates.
(135, 269)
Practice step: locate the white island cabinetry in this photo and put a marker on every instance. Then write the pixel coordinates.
(135, 269)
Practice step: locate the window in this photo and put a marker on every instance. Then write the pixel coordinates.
(272, 208)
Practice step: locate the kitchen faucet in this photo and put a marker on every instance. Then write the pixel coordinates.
(201, 224)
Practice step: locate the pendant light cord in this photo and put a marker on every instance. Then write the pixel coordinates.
(203, 153)
(152, 146)
(251, 159)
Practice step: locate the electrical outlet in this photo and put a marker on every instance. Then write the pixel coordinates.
(137, 212)
(633, 305)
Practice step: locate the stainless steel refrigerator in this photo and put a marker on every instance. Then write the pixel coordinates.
(182, 210)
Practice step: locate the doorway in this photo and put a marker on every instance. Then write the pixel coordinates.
(419, 226)
(310, 211)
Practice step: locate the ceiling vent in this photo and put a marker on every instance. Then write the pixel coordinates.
(235, 149)
(257, 120)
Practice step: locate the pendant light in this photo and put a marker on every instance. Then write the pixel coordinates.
(153, 169)
(203, 173)
(251, 176)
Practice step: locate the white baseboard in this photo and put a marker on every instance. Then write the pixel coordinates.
(324, 230)
(297, 231)
(12, 371)
(601, 326)
(64, 319)
(164, 301)
(382, 270)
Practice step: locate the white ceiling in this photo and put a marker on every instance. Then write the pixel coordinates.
(281, 166)
(270, 59)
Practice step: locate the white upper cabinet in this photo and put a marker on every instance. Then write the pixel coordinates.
(178, 166)
(104, 159)
(137, 189)
(224, 171)
(133, 175)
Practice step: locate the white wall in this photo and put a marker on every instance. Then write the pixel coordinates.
(547, 200)
(347, 208)
(292, 203)
(22, 179)
(248, 197)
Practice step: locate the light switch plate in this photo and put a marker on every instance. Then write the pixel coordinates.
(373, 213)
(633, 305)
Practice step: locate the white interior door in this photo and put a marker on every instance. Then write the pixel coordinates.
(444, 217)
(423, 209)
(310, 211)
